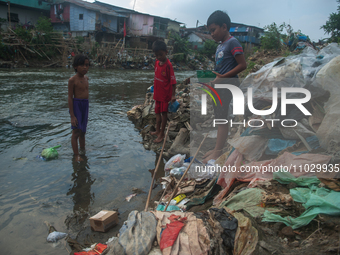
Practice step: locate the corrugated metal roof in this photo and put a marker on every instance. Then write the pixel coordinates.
(93, 6)
(239, 29)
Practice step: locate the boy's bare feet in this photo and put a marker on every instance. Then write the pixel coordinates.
(78, 158)
(155, 133)
(213, 155)
(159, 139)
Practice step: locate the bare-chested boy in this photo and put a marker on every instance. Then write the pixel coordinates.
(78, 103)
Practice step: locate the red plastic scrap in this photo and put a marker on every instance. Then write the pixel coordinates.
(170, 233)
(98, 249)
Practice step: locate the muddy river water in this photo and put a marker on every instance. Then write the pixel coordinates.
(33, 116)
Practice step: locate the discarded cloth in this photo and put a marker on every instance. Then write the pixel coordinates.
(171, 231)
(316, 200)
(246, 235)
(229, 224)
(265, 169)
(286, 178)
(193, 238)
(138, 233)
(98, 249)
(248, 200)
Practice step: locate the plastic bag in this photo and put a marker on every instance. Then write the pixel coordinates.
(328, 77)
(55, 236)
(177, 172)
(201, 171)
(175, 161)
(173, 107)
(50, 153)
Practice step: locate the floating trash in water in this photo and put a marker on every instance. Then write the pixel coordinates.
(40, 157)
(50, 153)
(55, 236)
(128, 198)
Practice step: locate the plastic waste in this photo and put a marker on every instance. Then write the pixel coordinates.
(128, 198)
(177, 172)
(177, 199)
(173, 107)
(40, 157)
(170, 208)
(50, 153)
(150, 89)
(55, 236)
(175, 161)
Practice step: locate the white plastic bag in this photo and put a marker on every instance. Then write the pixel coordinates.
(55, 236)
(175, 161)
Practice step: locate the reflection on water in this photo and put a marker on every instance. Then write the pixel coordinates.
(33, 116)
(81, 189)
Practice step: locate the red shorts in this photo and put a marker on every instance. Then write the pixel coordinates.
(161, 107)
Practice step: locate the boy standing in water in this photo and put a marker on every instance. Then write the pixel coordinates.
(230, 61)
(164, 88)
(78, 103)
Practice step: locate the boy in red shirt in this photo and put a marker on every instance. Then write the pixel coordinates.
(164, 88)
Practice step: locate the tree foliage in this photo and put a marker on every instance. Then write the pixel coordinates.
(273, 36)
(209, 48)
(181, 47)
(332, 26)
(44, 25)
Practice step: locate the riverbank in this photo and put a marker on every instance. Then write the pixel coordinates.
(278, 212)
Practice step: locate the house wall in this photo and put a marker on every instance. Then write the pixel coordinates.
(140, 25)
(86, 24)
(107, 21)
(194, 38)
(173, 26)
(24, 15)
(29, 3)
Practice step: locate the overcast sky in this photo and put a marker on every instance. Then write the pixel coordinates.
(306, 15)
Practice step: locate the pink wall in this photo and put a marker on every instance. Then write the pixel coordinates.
(140, 24)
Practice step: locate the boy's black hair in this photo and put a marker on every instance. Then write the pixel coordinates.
(159, 45)
(219, 18)
(79, 60)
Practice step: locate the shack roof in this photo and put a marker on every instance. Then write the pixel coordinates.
(93, 7)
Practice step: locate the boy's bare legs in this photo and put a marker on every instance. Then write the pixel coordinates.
(222, 134)
(74, 143)
(158, 125)
(161, 135)
(82, 143)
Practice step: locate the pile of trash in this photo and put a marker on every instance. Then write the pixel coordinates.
(277, 188)
(274, 189)
(178, 139)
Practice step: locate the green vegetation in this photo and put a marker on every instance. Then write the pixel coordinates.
(332, 26)
(44, 25)
(23, 33)
(273, 36)
(181, 48)
(209, 49)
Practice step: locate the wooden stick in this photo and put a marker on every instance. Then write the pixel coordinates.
(156, 169)
(22, 55)
(44, 53)
(175, 190)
